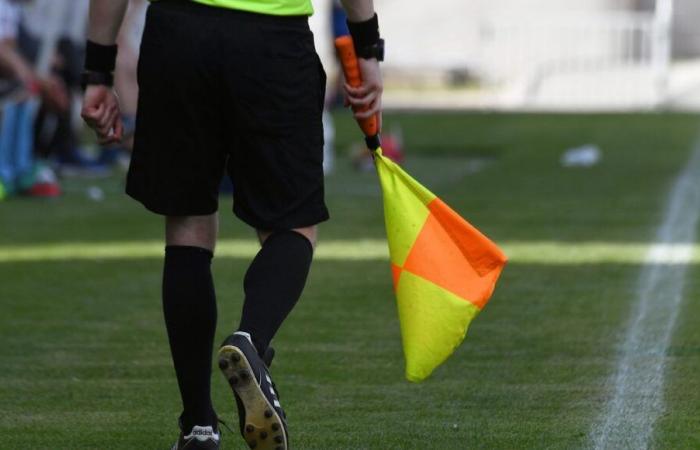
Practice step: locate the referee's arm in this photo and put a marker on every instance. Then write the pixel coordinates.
(106, 18)
(358, 10)
(361, 12)
(100, 105)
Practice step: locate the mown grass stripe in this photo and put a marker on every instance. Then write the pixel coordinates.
(536, 252)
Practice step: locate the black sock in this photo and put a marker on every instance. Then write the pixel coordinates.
(189, 306)
(273, 284)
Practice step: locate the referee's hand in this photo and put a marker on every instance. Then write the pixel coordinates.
(101, 112)
(369, 94)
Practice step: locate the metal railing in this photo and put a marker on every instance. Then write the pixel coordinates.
(570, 60)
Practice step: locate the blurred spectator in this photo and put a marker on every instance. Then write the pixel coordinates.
(18, 173)
(340, 28)
(65, 22)
(11, 62)
(42, 52)
(324, 24)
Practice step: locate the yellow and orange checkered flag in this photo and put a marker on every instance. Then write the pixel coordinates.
(444, 269)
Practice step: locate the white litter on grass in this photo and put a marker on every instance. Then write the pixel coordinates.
(637, 402)
(95, 193)
(584, 156)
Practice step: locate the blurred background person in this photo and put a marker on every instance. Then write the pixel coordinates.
(323, 25)
(58, 27)
(18, 172)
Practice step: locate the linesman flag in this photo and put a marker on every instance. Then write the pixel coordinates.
(444, 269)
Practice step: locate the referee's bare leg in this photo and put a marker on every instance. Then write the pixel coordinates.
(194, 231)
(310, 233)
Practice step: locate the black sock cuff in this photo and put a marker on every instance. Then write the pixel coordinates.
(188, 251)
(289, 235)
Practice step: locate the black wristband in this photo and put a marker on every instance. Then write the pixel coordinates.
(364, 34)
(96, 79)
(100, 58)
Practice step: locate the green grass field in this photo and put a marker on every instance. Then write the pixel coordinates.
(84, 358)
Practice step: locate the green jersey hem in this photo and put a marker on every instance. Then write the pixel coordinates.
(269, 7)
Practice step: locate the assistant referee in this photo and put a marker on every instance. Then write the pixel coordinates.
(228, 86)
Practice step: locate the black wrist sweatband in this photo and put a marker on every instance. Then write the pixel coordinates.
(89, 78)
(364, 34)
(100, 58)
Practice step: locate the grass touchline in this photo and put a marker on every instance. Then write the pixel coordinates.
(525, 252)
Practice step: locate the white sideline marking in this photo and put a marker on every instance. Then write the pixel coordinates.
(630, 415)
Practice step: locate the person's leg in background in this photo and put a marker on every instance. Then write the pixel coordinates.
(17, 146)
(64, 142)
(23, 159)
(189, 307)
(8, 127)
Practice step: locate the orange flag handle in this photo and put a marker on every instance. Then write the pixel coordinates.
(351, 70)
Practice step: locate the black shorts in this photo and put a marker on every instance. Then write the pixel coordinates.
(229, 91)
